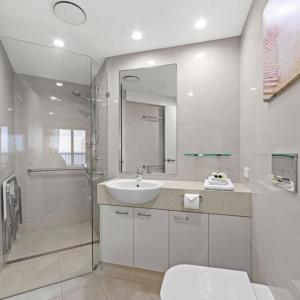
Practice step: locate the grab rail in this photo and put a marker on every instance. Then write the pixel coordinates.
(65, 169)
(54, 170)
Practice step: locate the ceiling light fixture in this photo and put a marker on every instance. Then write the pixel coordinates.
(151, 62)
(69, 12)
(200, 23)
(58, 43)
(51, 113)
(191, 94)
(59, 84)
(137, 35)
(10, 109)
(253, 89)
(53, 98)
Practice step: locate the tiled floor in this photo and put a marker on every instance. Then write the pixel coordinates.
(34, 273)
(93, 286)
(33, 243)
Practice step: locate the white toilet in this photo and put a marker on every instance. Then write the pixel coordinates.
(188, 282)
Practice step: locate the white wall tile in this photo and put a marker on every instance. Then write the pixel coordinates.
(267, 128)
(209, 121)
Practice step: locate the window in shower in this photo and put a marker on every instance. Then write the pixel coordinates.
(4, 144)
(71, 146)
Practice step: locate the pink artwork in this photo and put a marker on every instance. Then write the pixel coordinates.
(281, 46)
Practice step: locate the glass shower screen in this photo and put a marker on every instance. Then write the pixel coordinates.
(47, 143)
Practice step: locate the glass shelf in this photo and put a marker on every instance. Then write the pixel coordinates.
(207, 154)
(288, 155)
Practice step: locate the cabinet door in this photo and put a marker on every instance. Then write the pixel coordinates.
(151, 239)
(117, 235)
(188, 238)
(230, 242)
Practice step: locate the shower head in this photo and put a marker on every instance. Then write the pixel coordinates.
(76, 93)
(80, 95)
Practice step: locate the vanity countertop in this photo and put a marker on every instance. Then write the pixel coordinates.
(199, 186)
(237, 202)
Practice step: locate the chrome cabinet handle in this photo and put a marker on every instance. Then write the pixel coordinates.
(144, 215)
(186, 218)
(122, 212)
(170, 160)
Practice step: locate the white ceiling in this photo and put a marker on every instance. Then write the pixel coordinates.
(109, 25)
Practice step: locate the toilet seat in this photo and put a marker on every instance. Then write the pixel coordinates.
(188, 282)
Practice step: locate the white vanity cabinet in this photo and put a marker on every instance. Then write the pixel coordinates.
(155, 239)
(188, 238)
(230, 242)
(151, 239)
(117, 235)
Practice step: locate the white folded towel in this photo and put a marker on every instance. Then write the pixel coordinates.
(191, 201)
(218, 181)
(221, 187)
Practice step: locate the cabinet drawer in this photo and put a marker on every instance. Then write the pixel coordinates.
(117, 234)
(151, 239)
(188, 238)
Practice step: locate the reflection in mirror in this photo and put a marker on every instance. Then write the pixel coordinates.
(284, 171)
(148, 119)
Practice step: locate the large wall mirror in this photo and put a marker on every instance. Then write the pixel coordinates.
(148, 119)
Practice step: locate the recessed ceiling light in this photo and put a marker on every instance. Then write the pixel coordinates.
(10, 109)
(58, 43)
(191, 94)
(200, 55)
(253, 89)
(59, 84)
(51, 113)
(151, 62)
(137, 35)
(201, 23)
(55, 99)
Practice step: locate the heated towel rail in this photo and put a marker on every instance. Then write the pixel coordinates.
(12, 211)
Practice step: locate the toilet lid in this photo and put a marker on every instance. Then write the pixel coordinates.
(203, 283)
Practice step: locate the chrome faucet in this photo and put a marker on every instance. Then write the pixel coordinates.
(139, 173)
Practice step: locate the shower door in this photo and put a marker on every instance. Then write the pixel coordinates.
(52, 114)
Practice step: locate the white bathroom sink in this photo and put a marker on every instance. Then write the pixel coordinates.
(131, 191)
